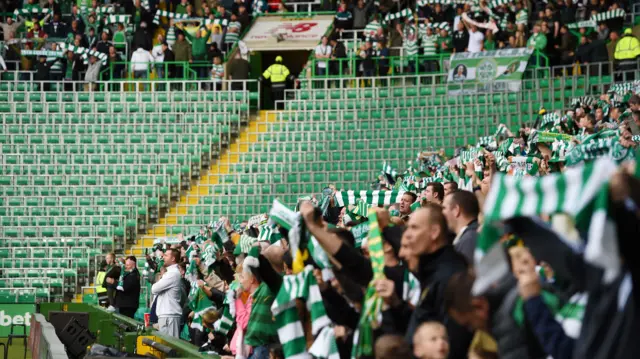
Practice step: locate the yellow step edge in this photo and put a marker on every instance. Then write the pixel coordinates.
(258, 125)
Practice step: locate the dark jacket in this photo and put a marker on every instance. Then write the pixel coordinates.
(142, 38)
(513, 342)
(460, 40)
(549, 332)
(114, 273)
(171, 68)
(434, 272)
(56, 30)
(238, 69)
(103, 46)
(43, 70)
(129, 297)
(466, 244)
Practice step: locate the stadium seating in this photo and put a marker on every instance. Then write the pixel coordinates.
(83, 173)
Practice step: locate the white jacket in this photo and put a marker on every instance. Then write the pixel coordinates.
(157, 53)
(168, 291)
(140, 60)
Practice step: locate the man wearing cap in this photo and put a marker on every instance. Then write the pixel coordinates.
(278, 74)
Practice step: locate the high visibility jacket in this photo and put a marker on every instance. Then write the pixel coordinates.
(99, 279)
(277, 73)
(627, 48)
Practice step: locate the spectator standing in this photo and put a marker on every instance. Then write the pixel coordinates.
(567, 46)
(199, 49)
(626, 52)
(383, 61)
(238, 69)
(115, 63)
(445, 43)
(158, 56)
(343, 19)
(243, 16)
(168, 291)
(142, 38)
(56, 28)
(140, 61)
(104, 44)
(461, 210)
(168, 60)
(322, 53)
(538, 40)
(614, 36)
(92, 39)
(460, 38)
(410, 44)
(110, 282)
(429, 42)
(43, 72)
(217, 73)
(53, 6)
(360, 15)
(216, 36)
(182, 51)
(128, 288)
(92, 74)
(337, 67)
(476, 40)
(182, 7)
(10, 27)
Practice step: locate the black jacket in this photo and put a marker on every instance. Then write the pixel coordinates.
(129, 297)
(142, 38)
(460, 40)
(43, 70)
(434, 272)
(57, 30)
(171, 68)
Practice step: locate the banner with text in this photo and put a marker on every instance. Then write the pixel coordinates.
(489, 71)
(275, 33)
(15, 314)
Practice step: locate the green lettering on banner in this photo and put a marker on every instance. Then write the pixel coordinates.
(360, 232)
(15, 314)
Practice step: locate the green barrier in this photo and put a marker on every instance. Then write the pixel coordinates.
(105, 326)
(15, 314)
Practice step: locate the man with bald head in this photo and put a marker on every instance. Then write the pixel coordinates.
(426, 250)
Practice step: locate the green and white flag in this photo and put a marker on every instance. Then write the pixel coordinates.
(199, 303)
(209, 255)
(497, 70)
(290, 329)
(374, 198)
(360, 233)
(282, 215)
(573, 192)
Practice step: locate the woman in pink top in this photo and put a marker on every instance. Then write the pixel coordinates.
(243, 311)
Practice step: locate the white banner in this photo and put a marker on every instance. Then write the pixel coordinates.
(275, 33)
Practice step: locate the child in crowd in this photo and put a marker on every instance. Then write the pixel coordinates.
(431, 341)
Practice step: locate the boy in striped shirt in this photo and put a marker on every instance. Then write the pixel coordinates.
(410, 44)
(217, 73)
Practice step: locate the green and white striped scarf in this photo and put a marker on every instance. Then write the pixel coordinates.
(372, 304)
(583, 101)
(221, 22)
(28, 12)
(405, 13)
(579, 191)
(171, 15)
(469, 155)
(546, 137)
(269, 233)
(225, 323)
(360, 233)
(171, 36)
(601, 147)
(117, 19)
(387, 169)
(84, 52)
(624, 87)
(374, 198)
(290, 329)
(549, 120)
(246, 242)
(410, 288)
(199, 303)
(501, 130)
(48, 53)
(501, 161)
(487, 141)
(325, 347)
(572, 313)
(209, 255)
(523, 165)
(422, 3)
(585, 24)
(608, 15)
(123, 274)
(522, 17)
(361, 208)
(495, 3)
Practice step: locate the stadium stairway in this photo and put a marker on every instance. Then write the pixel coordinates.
(231, 156)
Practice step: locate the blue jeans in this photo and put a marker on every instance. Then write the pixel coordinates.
(141, 75)
(261, 352)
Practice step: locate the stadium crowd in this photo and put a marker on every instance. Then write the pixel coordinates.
(395, 34)
(418, 266)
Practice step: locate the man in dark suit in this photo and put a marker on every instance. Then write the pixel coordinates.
(461, 209)
(128, 288)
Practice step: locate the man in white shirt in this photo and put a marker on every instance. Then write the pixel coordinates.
(323, 52)
(169, 291)
(158, 54)
(140, 60)
(476, 39)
